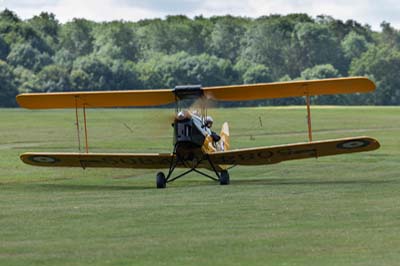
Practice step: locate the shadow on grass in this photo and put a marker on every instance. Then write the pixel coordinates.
(50, 186)
(90, 187)
(277, 181)
(194, 183)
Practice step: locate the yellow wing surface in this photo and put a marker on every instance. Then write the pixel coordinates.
(105, 160)
(86, 160)
(290, 89)
(221, 93)
(92, 99)
(251, 156)
(276, 154)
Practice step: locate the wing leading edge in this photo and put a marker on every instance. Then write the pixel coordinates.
(276, 154)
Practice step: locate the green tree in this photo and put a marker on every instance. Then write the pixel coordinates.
(52, 78)
(99, 73)
(389, 36)
(45, 23)
(44, 55)
(80, 80)
(76, 37)
(354, 45)
(47, 27)
(116, 40)
(226, 37)
(205, 69)
(152, 72)
(8, 86)
(24, 79)
(268, 41)
(249, 72)
(320, 72)
(175, 34)
(181, 68)
(257, 74)
(4, 49)
(324, 72)
(382, 64)
(341, 29)
(124, 76)
(19, 32)
(26, 56)
(317, 45)
(9, 16)
(64, 58)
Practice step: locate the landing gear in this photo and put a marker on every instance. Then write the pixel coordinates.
(224, 178)
(161, 181)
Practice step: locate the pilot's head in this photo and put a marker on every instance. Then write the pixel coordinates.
(209, 121)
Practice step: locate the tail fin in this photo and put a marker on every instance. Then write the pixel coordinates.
(225, 136)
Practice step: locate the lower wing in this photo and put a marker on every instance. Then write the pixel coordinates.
(112, 160)
(276, 154)
(251, 156)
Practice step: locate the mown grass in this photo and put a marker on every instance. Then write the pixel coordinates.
(341, 210)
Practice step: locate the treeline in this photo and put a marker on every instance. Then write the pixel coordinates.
(42, 55)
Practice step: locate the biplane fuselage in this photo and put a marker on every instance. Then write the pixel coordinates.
(191, 137)
(192, 140)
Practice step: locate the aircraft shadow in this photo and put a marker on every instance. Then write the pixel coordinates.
(200, 183)
(88, 187)
(280, 182)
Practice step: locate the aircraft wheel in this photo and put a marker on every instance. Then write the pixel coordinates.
(161, 181)
(224, 178)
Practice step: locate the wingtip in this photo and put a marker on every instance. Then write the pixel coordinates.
(24, 158)
(373, 143)
(370, 84)
(376, 145)
(23, 101)
(19, 99)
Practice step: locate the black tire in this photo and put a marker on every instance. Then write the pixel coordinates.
(224, 178)
(161, 182)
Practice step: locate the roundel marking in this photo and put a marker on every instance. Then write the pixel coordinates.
(353, 144)
(265, 154)
(43, 159)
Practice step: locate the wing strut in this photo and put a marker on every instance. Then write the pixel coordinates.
(85, 125)
(86, 134)
(309, 117)
(77, 124)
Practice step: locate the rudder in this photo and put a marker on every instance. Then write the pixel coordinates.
(225, 136)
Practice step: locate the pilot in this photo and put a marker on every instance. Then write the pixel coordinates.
(208, 123)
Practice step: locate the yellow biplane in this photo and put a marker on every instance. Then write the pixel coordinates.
(194, 146)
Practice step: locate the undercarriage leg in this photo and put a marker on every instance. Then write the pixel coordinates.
(161, 180)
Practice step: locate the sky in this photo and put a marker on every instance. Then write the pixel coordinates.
(364, 11)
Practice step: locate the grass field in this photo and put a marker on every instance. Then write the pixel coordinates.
(342, 210)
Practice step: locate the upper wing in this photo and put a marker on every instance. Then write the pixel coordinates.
(289, 89)
(221, 93)
(96, 99)
(276, 154)
(113, 160)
